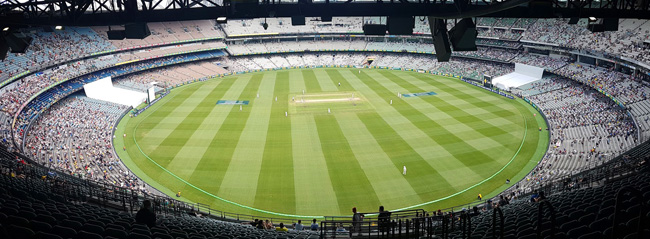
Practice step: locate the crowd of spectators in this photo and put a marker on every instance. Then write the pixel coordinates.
(547, 83)
(488, 53)
(627, 42)
(497, 43)
(458, 66)
(586, 128)
(15, 94)
(52, 47)
(499, 33)
(547, 62)
(75, 137)
(60, 91)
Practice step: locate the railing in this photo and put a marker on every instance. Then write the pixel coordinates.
(497, 227)
(401, 224)
(386, 227)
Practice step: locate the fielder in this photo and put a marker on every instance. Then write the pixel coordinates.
(404, 172)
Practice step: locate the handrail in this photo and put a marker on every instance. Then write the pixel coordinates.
(466, 225)
(494, 222)
(540, 216)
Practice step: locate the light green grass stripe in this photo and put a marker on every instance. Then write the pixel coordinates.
(297, 82)
(465, 153)
(185, 161)
(436, 155)
(312, 186)
(385, 176)
(240, 181)
(311, 83)
(275, 186)
(324, 80)
(348, 178)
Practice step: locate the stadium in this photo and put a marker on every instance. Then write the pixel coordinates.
(301, 119)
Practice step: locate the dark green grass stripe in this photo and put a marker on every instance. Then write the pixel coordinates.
(209, 173)
(170, 146)
(275, 185)
(458, 113)
(349, 181)
(423, 178)
(336, 77)
(463, 152)
(310, 81)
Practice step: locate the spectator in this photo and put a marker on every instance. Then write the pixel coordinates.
(145, 215)
(281, 228)
(269, 225)
(340, 228)
(314, 225)
(298, 226)
(384, 219)
(357, 218)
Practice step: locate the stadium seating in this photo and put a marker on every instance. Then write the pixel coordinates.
(588, 129)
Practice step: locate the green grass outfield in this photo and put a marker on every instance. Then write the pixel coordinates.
(456, 144)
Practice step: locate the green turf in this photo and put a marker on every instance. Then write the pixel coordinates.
(456, 144)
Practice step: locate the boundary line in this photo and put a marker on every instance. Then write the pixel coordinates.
(320, 217)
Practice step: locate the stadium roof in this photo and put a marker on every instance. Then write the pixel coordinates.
(116, 12)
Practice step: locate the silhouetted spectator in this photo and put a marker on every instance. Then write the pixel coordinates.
(145, 215)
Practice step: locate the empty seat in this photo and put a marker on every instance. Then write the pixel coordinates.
(16, 231)
(161, 235)
(93, 228)
(592, 235)
(116, 233)
(20, 221)
(138, 236)
(44, 235)
(71, 224)
(577, 232)
(88, 235)
(64, 232)
(39, 226)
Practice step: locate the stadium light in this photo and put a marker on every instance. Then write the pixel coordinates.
(222, 20)
(6, 29)
(58, 28)
(593, 19)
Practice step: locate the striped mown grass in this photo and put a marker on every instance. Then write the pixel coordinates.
(275, 158)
